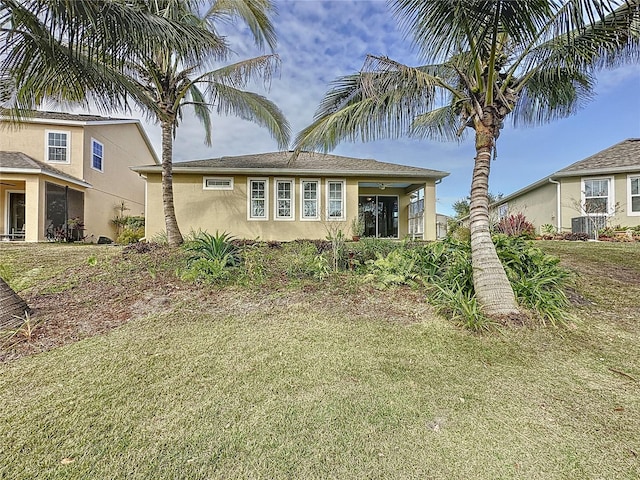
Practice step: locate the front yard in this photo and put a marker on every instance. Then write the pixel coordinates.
(157, 378)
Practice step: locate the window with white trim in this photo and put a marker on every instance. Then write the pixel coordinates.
(284, 209)
(503, 211)
(57, 146)
(217, 183)
(97, 155)
(597, 196)
(634, 195)
(335, 200)
(310, 199)
(258, 199)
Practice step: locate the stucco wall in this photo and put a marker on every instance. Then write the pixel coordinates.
(540, 205)
(30, 138)
(226, 210)
(124, 147)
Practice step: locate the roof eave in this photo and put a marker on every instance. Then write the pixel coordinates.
(39, 171)
(597, 171)
(290, 171)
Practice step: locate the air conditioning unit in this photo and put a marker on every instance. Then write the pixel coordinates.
(588, 225)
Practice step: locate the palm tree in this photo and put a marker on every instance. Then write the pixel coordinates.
(171, 82)
(147, 52)
(486, 60)
(75, 52)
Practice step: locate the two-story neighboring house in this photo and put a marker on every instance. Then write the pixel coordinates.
(589, 194)
(69, 173)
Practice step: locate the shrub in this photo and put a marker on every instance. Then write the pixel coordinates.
(516, 226)
(130, 235)
(396, 268)
(218, 248)
(210, 255)
(302, 259)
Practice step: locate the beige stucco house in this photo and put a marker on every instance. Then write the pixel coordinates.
(56, 167)
(603, 189)
(272, 197)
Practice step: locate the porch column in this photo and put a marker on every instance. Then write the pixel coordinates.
(32, 209)
(429, 217)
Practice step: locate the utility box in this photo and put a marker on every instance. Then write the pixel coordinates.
(588, 225)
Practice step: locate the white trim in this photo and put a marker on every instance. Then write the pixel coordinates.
(46, 146)
(292, 182)
(611, 198)
(7, 203)
(266, 199)
(318, 195)
(205, 179)
(631, 213)
(80, 183)
(101, 170)
(342, 181)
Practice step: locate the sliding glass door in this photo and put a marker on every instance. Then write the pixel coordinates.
(380, 215)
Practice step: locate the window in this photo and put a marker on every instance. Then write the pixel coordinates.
(309, 199)
(258, 199)
(335, 200)
(597, 196)
(57, 149)
(96, 155)
(217, 183)
(634, 195)
(503, 211)
(284, 200)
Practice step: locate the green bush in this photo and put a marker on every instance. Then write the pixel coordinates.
(398, 267)
(206, 270)
(218, 248)
(130, 235)
(302, 260)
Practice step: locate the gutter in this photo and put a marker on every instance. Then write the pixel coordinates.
(558, 206)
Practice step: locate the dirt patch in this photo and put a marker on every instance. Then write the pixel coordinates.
(93, 301)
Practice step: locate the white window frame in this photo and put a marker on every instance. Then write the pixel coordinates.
(250, 180)
(304, 181)
(630, 212)
(328, 182)
(503, 211)
(101, 170)
(292, 200)
(68, 147)
(217, 187)
(611, 201)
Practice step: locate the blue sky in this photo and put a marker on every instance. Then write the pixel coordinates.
(322, 40)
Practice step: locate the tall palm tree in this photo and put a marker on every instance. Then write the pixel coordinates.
(152, 53)
(68, 51)
(486, 60)
(171, 82)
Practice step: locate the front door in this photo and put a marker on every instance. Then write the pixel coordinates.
(16, 214)
(380, 214)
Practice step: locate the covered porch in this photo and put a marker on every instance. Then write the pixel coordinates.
(35, 208)
(397, 209)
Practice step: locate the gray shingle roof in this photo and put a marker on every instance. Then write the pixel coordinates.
(69, 117)
(306, 163)
(17, 161)
(621, 156)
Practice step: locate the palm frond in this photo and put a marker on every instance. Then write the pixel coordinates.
(444, 123)
(241, 73)
(201, 109)
(254, 13)
(252, 107)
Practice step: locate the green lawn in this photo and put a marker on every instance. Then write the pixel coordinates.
(327, 381)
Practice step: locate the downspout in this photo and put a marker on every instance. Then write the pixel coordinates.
(558, 206)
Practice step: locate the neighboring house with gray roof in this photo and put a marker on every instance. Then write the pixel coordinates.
(64, 174)
(603, 189)
(273, 196)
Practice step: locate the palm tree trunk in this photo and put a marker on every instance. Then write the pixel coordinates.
(492, 287)
(12, 307)
(174, 237)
